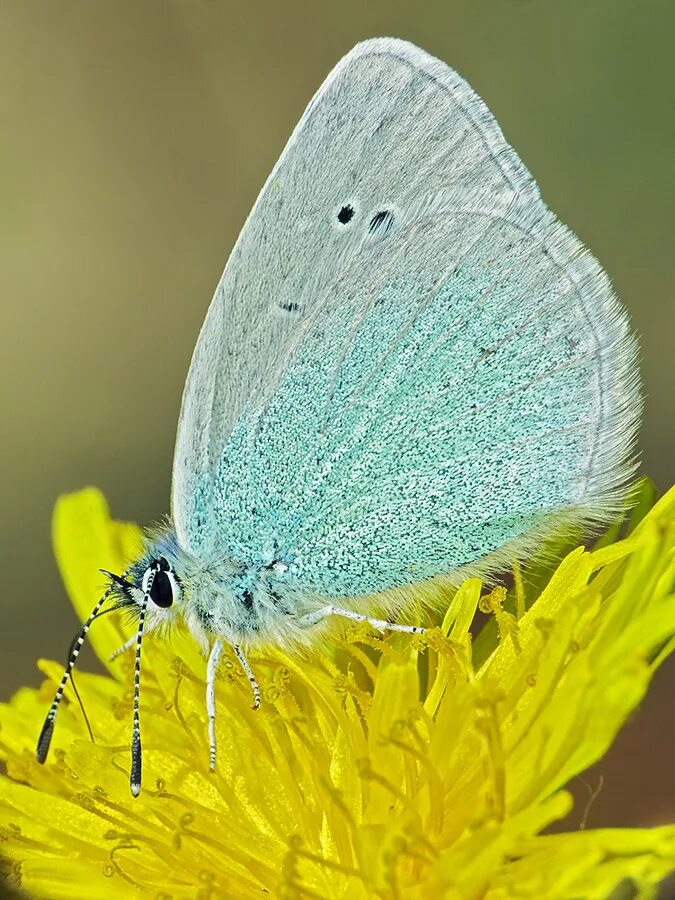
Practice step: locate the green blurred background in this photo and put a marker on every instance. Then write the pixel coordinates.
(134, 138)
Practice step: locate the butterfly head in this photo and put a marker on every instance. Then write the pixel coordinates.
(151, 585)
(161, 583)
(158, 584)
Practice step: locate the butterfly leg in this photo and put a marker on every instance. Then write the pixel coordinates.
(211, 669)
(380, 624)
(249, 674)
(127, 645)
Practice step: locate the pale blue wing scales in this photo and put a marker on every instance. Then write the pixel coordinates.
(390, 128)
(449, 384)
(507, 398)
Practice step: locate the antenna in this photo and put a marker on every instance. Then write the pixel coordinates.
(136, 760)
(48, 728)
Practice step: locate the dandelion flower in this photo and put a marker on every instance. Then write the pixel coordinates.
(395, 767)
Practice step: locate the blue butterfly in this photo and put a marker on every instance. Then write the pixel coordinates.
(410, 372)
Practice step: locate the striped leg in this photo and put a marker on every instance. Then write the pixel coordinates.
(380, 624)
(211, 669)
(127, 645)
(249, 674)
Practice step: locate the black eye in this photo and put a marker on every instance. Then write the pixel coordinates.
(346, 214)
(161, 592)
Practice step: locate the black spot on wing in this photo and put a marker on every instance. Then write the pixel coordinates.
(345, 214)
(381, 223)
(290, 306)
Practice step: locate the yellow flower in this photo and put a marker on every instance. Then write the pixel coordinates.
(395, 768)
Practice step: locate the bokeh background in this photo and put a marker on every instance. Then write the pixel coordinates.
(134, 137)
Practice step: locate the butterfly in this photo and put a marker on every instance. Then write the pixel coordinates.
(410, 371)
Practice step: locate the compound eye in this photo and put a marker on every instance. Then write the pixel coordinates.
(161, 592)
(165, 587)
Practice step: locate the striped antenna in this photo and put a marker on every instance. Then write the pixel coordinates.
(45, 738)
(136, 761)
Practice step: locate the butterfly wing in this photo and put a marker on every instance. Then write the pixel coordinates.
(408, 361)
(390, 123)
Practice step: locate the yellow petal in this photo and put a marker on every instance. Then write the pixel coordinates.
(369, 771)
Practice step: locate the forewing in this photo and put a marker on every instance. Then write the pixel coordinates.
(390, 127)
(386, 399)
